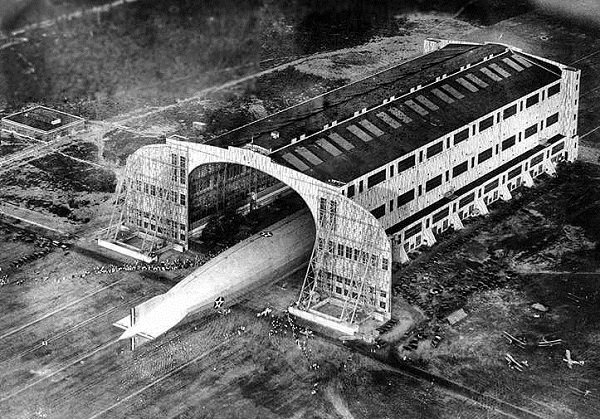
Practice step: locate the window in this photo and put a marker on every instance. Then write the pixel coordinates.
(420, 190)
(391, 171)
(405, 198)
(531, 130)
(330, 247)
(348, 252)
(484, 155)
(379, 211)
(351, 191)
(461, 136)
(340, 249)
(391, 205)
(510, 111)
(508, 143)
(532, 100)
(558, 147)
(420, 156)
(486, 123)
(552, 119)
(406, 164)
(182, 199)
(515, 172)
(433, 183)
(537, 159)
(360, 186)
(460, 169)
(182, 172)
(412, 231)
(435, 149)
(552, 90)
(491, 186)
(153, 190)
(440, 215)
(385, 265)
(466, 200)
(376, 179)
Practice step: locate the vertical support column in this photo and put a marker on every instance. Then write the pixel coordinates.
(133, 319)
(505, 194)
(570, 88)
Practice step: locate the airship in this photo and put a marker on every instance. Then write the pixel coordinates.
(262, 258)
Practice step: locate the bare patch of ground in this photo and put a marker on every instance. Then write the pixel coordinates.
(355, 63)
(540, 248)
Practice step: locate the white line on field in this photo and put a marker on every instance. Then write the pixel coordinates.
(589, 132)
(45, 316)
(164, 377)
(78, 360)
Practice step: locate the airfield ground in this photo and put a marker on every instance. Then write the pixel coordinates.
(58, 353)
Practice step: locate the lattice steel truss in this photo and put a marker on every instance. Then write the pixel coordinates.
(150, 200)
(330, 259)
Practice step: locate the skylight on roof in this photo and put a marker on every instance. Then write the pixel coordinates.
(388, 120)
(341, 141)
(359, 133)
(295, 161)
(453, 91)
(422, 99)
(372, 128)
(328, 147)
(511, 63)
(308, 155)
(467, 85)
(442, 96)
(522, 60)
(400, 115)
(476, 80)
(500, 70)
(418, 109)
(490, 74)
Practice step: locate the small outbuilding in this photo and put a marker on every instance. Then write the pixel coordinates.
(456, 316)
(41, 123)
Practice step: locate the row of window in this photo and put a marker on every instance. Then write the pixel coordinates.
(352, 253)
(154, 190)
(459, 137)
(170, 230)
(354, 295)
(182, 171)
(344, 282)
(489, 187)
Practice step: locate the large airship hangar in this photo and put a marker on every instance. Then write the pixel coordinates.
(384, 165)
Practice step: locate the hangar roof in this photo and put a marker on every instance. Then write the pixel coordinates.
(480, 79)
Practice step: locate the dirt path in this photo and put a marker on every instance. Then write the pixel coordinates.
(73, 15)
